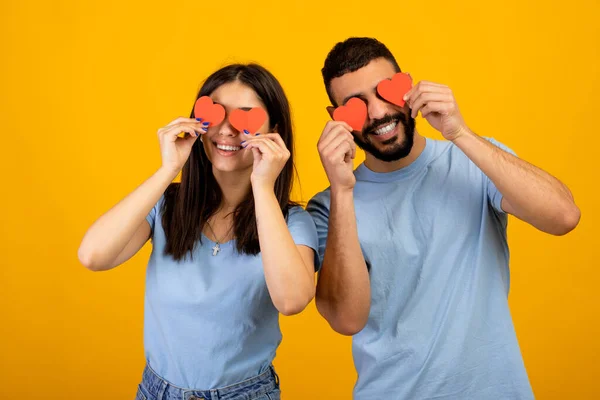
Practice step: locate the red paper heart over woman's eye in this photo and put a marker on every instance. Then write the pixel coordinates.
(208, 111)
(250, 121)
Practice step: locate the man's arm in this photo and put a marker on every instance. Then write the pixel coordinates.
(529, 193)
(343, 294)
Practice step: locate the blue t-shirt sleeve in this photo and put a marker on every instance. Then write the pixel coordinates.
(494, 195)
(153, 214)
(319, 211)
(303, 231)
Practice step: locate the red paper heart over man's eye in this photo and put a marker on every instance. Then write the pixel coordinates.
(354, 113)
(208, 111)
(394, 90)
(250, 121)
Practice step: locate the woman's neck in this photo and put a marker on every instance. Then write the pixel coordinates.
(234, 186)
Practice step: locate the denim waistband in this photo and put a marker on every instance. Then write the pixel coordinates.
(256, 386)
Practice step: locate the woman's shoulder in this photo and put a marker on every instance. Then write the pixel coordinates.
(170, 193)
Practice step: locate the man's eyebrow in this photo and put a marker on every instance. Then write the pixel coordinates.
(359, 95)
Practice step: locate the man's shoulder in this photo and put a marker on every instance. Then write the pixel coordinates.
(321, 199)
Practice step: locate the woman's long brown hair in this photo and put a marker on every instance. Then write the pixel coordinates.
(188, 205)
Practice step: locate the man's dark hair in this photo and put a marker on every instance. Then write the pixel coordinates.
(351, 55)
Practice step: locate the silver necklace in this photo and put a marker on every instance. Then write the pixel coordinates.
(217, 247)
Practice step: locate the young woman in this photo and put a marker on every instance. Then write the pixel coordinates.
(230, 250)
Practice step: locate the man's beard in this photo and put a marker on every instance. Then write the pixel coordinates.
(392, 152)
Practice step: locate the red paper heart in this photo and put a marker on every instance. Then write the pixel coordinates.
(354, 113)
(394, 90)
(208, 111)
(250, 120)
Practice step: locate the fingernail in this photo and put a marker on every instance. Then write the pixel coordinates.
(405, 97)
(204, 128)
(246, 132)
(242, 143)
(205, 123)
(198, 119)
(258, 134)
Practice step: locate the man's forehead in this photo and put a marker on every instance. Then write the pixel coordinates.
(362, 81)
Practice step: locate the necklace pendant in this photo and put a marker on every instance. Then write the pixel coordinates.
(216, 248)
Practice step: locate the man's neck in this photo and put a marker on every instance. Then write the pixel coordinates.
(377, 165)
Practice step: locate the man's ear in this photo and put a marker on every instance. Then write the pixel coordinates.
(330, 110)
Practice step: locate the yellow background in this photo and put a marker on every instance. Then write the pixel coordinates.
(85, 85)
